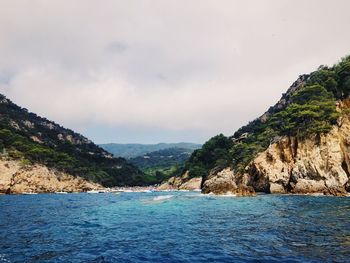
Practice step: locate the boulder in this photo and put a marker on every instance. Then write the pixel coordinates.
(192, 184)
(220, 183)
(183, 182)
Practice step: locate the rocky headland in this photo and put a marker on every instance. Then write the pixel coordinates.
(319, 164)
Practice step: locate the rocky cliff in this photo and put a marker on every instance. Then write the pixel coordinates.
(318, 164)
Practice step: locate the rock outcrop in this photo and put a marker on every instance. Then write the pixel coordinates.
(223, 182)
(226, 182)
(183, 182)
(315, 165)
(17, 178)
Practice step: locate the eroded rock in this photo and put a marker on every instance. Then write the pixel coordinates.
(223, 182)
(16, 178)
(314, 165)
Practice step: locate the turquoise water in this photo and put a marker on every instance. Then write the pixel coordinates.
(183, 227)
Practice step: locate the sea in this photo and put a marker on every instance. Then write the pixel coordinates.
(173, 227)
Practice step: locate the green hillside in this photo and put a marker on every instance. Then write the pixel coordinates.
(162, 158)
(26, 137)
(162, 164)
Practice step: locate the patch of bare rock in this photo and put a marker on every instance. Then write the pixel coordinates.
(225, 182)
(16, 178)
(183, 182)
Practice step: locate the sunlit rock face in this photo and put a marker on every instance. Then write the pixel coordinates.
(17, 178)
(314, 165)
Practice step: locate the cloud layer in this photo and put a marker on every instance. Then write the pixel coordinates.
(144, 71)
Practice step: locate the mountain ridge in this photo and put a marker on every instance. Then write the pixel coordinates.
(132, 150)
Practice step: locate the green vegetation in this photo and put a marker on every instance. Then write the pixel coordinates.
(312, 111)
(156, 175)
(160, 165)
(213, 153)
(162, 158)
(308, 110)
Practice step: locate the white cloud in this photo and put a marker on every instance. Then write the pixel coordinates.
(206, 66)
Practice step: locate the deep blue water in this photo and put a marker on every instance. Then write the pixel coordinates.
(188, 227)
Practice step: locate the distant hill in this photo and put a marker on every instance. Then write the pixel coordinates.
(161, 165)
(31, 139)
(162, 158)
(157, 161)
(134, 150)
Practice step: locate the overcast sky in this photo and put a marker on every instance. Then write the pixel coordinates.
(162, 71)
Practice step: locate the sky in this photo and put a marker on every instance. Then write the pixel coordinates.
(148, 71)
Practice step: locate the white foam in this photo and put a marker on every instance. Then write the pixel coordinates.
(162, 197)
(227, 195)
(223, 195)
(317, 194)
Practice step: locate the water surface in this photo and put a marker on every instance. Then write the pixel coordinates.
(177, 227)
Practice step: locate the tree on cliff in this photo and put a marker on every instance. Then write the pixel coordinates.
(312, 111)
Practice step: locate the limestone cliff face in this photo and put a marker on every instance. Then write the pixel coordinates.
(16, 178)
(320, 164)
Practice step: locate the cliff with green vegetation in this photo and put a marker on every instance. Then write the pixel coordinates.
(33, 140)
(312, 108)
